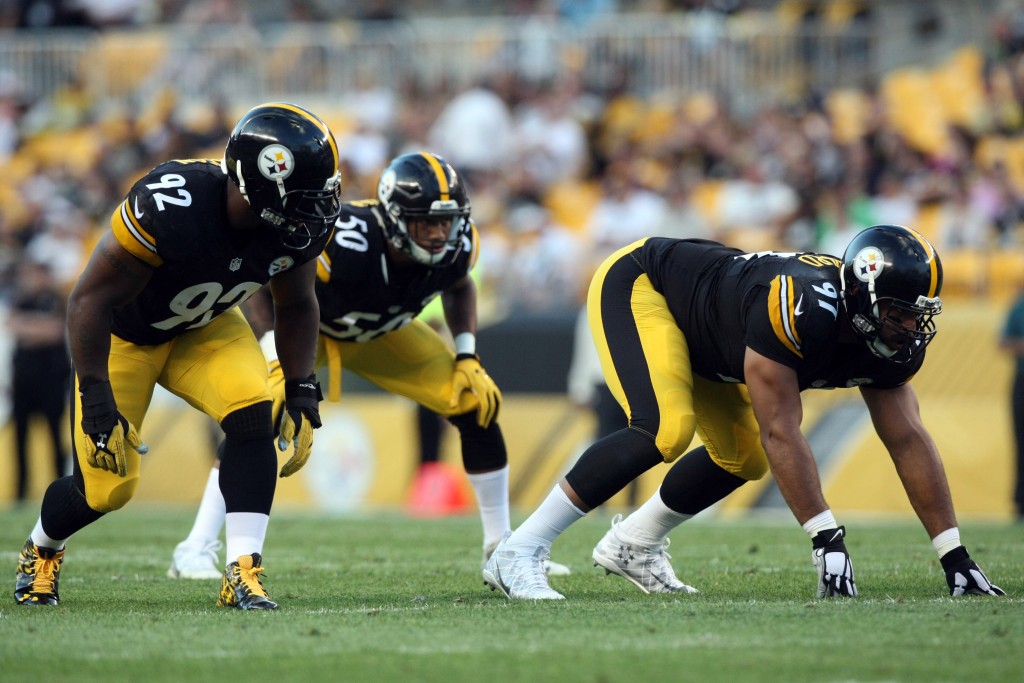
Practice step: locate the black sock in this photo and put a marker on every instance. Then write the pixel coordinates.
(695, 483)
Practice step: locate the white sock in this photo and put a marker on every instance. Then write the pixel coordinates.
(491, 489)
(245, 532)
(210, 515)
(551, 518)
(651, 522)
(40, 538)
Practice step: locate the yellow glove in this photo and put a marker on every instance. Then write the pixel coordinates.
(300, 417)
(108, 434)
(470, 376)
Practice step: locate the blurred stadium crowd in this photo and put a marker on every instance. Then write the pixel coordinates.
(561, 170)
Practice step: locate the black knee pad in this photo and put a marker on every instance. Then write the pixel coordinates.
(250, 422)
(483, 449)
(610, 463)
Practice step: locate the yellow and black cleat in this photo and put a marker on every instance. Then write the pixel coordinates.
(242, 587)
(38, 575)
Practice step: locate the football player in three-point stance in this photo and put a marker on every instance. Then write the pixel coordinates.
(388, 258)
(158, 304)
(698, 337)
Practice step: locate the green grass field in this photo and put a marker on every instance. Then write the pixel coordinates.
(385, 598)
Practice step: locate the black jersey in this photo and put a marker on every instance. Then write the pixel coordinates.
(175, 220)
(784, 306)
(363, 293)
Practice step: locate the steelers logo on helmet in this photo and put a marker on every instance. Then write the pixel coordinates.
(868, 264)
(386, 187)
(276, 162)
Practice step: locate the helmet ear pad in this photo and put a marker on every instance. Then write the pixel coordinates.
(891, 274)
(423, 185)
(284, 160)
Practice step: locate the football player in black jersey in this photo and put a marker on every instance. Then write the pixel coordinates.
(158, 304)
(389, 257)
(697, 337)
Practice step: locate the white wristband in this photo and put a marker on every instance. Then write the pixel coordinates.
(946, 541)
(820, 522)
(465, 342)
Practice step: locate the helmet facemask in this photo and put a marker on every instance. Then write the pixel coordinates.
(882, 326)
(429, 252)
(423, 187)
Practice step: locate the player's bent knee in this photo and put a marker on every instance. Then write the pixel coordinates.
(250, 422)
(110, 498)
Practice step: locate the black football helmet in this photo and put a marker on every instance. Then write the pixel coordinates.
(285, 162)
(890, 272)
(423, 185)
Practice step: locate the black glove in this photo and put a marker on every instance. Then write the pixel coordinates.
(964, 576)
(300, 417)
(107, 431)
(835, 571)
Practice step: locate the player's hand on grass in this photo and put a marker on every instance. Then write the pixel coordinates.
(964, 576)
(831, 559)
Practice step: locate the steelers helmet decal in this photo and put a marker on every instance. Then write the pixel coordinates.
(276, 162)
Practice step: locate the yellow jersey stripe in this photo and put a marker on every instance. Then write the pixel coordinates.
(930, 250)
(442, 177)
(317, 122)
(781, 313)
(323, 267)
(475, 245)
(132, 237)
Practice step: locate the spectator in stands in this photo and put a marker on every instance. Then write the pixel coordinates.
(1012, 341)
(41, 367)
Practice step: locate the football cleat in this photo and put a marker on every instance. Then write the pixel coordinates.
(647, 566)
(195, 561)
(38, 575)
(242, 587)
(551, 568)
(520, 576)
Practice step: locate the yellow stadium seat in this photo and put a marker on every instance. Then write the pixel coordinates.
(122, 60)
(964, 273)
(572, 202)
(849, 110)
(705, 197)
(1005, 273)
(915, 110)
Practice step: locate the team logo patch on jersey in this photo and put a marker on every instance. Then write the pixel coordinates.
(276, 162)
(280, 264)
(235, 264)
(868, 264)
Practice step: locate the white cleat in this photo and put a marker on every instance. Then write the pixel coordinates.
(551, 568)
(195, 561)
(519, 576)
(647, 566)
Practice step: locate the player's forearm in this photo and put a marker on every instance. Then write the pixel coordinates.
(924, 480)
(296, 328)
(459, 303)
(88, 327)
(796, 475)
